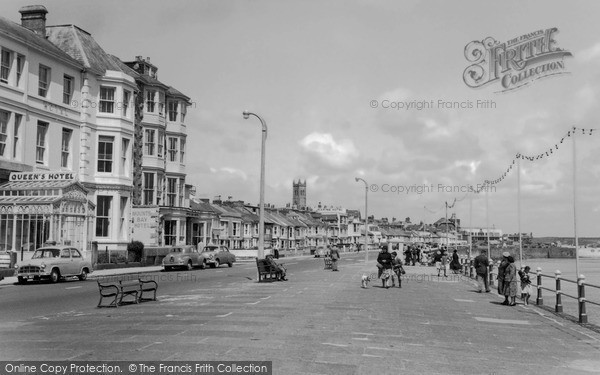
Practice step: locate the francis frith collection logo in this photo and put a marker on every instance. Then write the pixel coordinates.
(515, 63)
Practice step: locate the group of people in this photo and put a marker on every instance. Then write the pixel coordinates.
(507, 278)
(388, 266)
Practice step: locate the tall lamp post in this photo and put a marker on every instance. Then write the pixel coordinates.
(261, 215)
(366, 217)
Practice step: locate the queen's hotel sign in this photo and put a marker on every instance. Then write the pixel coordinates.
(42, 176)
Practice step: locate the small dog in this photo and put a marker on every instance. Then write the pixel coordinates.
(365, 280)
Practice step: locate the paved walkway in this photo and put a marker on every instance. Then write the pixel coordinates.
(323, 322)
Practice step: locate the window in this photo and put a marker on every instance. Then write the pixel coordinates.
(150, 100)
(40, 150)
(183, 111)
(75, 253)
(105, 154)
(172, 149)
(148, 188)
(4, 117)
(123, 211)
(107, 99)
(124, 157)
(161, 103)
(65, 159)
(171, 191)
(16, 134)
(172, 111)
(182, 151)
(67, 89)
(170, 232)
(43, 80)
(181, 195)
(5, 66)
(149, 142)
(20, 63)
(246, 229)
(159, 188)
(126, 99)
(236, 229)
(160, 143)
(103, 215)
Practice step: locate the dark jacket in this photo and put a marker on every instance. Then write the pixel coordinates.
(481, 264)
(385, 259)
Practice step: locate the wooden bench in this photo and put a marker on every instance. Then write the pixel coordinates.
(265, 271)
(126, 288)
(327, 263)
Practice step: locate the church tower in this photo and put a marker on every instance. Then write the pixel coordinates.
(299, 194)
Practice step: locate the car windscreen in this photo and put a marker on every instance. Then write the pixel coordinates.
(47, 253)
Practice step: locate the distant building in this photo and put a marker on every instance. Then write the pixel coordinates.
(299, 195)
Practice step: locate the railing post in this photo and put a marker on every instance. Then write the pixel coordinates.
(581, 297)
(558, 307)
(539, 300)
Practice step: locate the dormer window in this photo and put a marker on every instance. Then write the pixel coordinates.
(150, 100)
(173, 110)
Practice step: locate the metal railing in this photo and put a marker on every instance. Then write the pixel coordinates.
(469, 270)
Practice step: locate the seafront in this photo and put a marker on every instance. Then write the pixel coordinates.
(319, 322)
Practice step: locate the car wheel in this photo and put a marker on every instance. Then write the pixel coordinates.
(54, 276)
(22, 280)
(217, 264)
(230, 264)
(167, 269)
(203, 265)
(189, 265)
(83, 276)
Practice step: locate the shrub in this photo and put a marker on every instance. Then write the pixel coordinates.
(135, 251)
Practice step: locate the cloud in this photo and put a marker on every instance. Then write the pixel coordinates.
(322, 146)
(230, 172)
(590, 54)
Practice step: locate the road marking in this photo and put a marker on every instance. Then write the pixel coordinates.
(371, 355)
(252, 303)
(73, 287)
(223, 316)
(267, 297)
(463, 300)
(332, 344)
(360, 333)
(502, 321)
(361, 338)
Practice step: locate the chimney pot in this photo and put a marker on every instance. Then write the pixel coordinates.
(33, 17)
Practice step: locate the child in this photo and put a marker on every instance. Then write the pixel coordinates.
(525, 285)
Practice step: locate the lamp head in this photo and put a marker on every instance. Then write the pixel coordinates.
(356, 179)
(246, 114)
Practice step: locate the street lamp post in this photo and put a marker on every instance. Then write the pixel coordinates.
(261, 215)
(366, 217)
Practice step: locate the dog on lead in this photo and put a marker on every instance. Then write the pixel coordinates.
(365, 280)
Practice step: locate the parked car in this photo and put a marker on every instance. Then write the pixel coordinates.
(215, 255)
(54, 263)
(186, 257)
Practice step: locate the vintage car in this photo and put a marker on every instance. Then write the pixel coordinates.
(54, 263)
(186, 257)
(215, 255)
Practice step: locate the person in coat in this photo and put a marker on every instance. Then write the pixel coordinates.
(384, 263)
(510, 282)
(482, 266)
(501, 269)
(335, 256)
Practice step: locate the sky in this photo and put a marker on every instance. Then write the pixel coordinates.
(328, 78)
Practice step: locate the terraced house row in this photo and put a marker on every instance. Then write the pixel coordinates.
(85, 139)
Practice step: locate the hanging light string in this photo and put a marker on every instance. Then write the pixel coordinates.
(432, 212)
(547, 153)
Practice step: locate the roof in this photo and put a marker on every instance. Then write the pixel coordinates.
(201, 206)
(80, 45)
(39, 185)
(15, 31)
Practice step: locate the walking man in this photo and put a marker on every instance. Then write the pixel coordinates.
(481, 264)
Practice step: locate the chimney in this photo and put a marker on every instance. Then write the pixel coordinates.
(33, 17)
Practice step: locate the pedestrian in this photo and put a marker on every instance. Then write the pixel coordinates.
(510, 282)
(335, 255)
(455, 263)
(501, 271)
(397, 269)
(384, 263)
(525, 285)
(482, 265)
(443, 263)
(408, 255)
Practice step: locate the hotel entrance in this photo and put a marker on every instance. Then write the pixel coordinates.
(36, 208)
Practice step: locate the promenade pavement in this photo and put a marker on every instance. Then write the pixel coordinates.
(323, 322)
